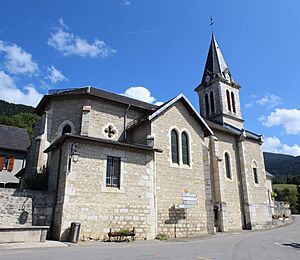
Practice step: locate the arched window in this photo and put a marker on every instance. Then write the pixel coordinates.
(174, 146)
(207, 104)
(212, 102)
(66, 130)
(255, 172)
(227, 165)
(233, 102)
(185, 148)
(228, 100)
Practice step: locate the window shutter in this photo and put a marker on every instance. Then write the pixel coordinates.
(11, 164)
(1, 162)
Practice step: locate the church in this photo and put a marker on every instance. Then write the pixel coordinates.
(114, 162)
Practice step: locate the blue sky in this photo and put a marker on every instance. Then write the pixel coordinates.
(161, 46)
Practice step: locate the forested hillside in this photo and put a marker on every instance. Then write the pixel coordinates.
(10, 109)
(282, 166)
(18, 115)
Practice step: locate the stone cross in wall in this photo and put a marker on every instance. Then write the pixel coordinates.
(110, 131)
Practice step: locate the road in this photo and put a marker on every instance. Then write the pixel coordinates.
(279, 243)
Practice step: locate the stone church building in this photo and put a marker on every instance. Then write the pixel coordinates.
(116, 162)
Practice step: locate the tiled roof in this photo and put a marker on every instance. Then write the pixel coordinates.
(13, 138)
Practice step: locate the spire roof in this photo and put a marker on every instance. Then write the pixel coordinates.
(215, 65)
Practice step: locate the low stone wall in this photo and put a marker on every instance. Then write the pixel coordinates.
(282, 209)
(23, 234)
(30, 208)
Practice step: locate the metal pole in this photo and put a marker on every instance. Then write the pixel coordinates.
(186, 223)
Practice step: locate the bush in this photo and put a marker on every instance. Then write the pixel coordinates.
(289, 196)
(161, 237)
(124, 231)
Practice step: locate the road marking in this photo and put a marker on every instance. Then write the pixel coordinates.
(203, 258)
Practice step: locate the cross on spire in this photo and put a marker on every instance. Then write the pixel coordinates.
(212, 24)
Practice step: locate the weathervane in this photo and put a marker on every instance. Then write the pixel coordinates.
(212, 24)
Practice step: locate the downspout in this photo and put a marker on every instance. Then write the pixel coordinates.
(125, 122)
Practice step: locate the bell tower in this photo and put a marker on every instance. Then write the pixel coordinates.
(218, 92)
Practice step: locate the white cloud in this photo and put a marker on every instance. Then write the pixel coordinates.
(158, 103)
(10, 92)
(288, 118)
(16, 60)
(274, 145)
(62, 23)
(126, 2)
(262, 118)
(141, 93)
(70, 44)
(269, 100)
(54, 75)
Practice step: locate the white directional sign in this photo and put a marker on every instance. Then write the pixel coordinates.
(184, 206)
(189, 202)
(188, 199)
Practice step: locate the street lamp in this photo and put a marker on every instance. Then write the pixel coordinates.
(74, 152)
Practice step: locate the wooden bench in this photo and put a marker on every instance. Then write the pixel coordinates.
(120, 235)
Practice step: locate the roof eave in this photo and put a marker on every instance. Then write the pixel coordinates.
(207, 131)
(63, 138)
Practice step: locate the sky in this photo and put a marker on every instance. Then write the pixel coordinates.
(154, 50)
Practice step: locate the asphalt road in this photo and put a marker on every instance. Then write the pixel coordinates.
(279, 243)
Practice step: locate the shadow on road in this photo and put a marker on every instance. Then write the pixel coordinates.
(294, 245)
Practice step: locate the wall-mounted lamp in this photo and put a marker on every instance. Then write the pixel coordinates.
(74, 152)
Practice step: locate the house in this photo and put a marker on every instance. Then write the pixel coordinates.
(116, 162)
(14, 143)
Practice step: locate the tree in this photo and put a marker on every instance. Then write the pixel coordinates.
(22, 120)
(289, 196)
(298, 199)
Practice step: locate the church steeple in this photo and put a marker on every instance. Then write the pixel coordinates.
(215, 65)
(218, 92)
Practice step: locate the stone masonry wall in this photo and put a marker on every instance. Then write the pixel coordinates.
(25, 208)
(230, 187)
(259, 207)
(104, 113)
(172, 180)
(84, 197)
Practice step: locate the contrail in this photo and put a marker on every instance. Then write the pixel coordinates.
(146, 31)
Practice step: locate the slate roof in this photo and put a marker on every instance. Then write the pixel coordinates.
(193, 112)
(215, 66)
(233, 130)
(14, 138)
(96, 93)
(269, 175)
(63, 138)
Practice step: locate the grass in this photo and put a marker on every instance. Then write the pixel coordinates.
(291, 187)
